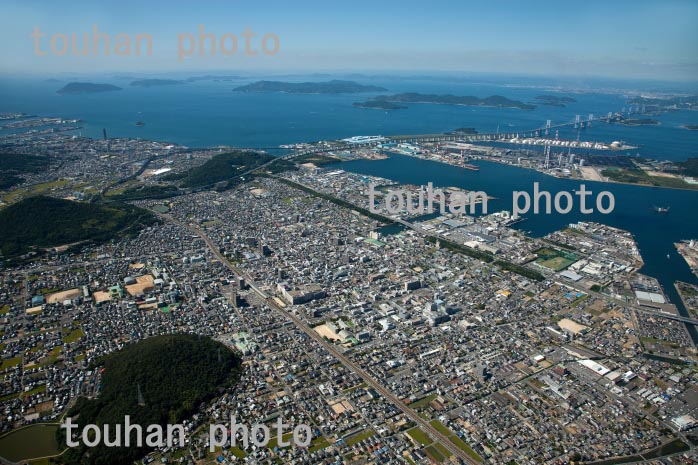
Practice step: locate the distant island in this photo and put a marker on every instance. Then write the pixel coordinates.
(554, 100)
(638, 121)
(155, 82)
(467, 131)
(496, 101)
(379, 105)
(690, 127)
(675, 102)
(325, 87)
(86, 88)
(212, 77)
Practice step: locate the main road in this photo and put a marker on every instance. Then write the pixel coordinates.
(433, 432)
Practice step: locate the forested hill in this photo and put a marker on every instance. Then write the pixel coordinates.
(160, 380)
(39, 222)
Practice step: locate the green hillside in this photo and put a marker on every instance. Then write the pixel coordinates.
(39, 222)
(223, 167)
(174, 374)
(14, 164)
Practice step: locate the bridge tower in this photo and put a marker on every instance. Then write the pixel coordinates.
(547, 156)
(547, 126)
(609, 116)
(577, 121)
(557, 134)
(590, 119)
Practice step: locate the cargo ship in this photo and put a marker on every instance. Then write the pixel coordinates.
(470, 167)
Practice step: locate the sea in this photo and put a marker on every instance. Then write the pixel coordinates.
(209, 113)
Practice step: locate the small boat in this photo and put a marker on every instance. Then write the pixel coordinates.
(668, 257)
(661, 209)
(140, 123)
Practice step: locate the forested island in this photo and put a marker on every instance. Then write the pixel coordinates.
(379, 105)
(325, 87)
(638, 121)
(155, 82)
(86, 88)
(157, 381)
(465, 131)
(41, 222)
(496, 101)
(212, 77)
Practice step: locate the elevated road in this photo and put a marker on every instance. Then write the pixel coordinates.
(670, 316)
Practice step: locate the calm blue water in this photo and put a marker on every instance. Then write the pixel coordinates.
(208, 113)
(655, 233)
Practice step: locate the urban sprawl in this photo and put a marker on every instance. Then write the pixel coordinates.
(400, 339)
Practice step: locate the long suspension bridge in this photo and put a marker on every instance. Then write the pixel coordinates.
(549, 129)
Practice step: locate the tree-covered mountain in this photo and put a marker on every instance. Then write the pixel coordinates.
(157, 381)
(39, 222)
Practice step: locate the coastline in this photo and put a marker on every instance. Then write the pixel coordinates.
(603, 180)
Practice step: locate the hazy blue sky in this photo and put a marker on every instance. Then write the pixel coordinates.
(637, 39)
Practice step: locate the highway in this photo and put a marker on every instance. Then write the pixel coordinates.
(433, 432)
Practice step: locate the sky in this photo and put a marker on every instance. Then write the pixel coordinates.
(622, 39)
